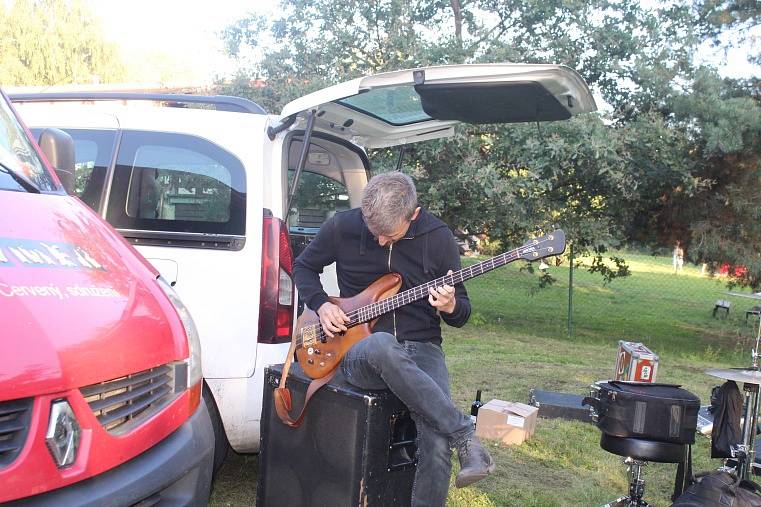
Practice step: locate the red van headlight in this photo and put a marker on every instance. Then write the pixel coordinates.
(195, 372)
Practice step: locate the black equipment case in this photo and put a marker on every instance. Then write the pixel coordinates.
(355, 447)
(561, 405)
(656, 412)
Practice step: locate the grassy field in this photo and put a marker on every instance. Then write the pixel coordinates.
(671, 313)
(518, 339)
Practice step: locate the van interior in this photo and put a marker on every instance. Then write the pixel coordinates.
(332, 180)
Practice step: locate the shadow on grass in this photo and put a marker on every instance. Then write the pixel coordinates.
(235, 483)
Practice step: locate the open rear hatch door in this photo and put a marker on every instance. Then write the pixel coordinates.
(414, 105)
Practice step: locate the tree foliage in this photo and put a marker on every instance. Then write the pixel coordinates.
(50, 42)
(676, 149)
(735, 20)
(721, 220)
(729, 13)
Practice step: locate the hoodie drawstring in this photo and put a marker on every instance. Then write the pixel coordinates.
(426, 266)
(363, 241)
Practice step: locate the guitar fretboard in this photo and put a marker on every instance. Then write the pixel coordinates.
(375, 310)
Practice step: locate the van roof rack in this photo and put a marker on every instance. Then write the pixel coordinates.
(220, 102)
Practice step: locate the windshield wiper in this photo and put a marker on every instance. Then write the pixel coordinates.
(25, 183)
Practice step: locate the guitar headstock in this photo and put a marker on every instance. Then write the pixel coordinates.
(544, 246)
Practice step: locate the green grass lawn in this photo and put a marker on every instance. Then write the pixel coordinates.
(518, 339)
(671, 313)
(563, 464)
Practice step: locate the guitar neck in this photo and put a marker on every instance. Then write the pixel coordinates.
(375, 310)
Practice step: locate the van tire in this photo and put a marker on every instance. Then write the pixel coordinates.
(221, 445)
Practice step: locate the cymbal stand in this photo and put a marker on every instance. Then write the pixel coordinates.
(746, 450)
(754, 352)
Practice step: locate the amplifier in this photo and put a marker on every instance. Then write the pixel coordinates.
(355, 447)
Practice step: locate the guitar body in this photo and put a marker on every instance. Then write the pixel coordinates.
(318, 359)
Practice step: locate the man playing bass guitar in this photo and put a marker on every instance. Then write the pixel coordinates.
(391, 233)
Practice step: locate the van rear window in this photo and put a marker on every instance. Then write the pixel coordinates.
(176, 183)
(318, 198)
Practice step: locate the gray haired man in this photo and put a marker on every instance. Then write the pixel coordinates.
(391, 233)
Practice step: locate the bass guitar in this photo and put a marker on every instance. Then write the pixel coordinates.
(319, 354)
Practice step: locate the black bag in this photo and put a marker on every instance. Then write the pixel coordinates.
(657, 412)
(726, 405)
(720, 489)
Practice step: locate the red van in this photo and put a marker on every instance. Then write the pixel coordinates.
(100, 372)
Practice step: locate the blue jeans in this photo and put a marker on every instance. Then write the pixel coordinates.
(417, 374)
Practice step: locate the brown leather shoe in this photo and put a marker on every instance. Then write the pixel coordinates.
(475, 462)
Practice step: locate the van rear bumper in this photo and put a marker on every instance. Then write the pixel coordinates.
(175, 472)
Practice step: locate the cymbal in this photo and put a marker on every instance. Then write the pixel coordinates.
(744, 375)
(755, 295)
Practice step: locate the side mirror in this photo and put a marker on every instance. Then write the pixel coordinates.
(58, 147)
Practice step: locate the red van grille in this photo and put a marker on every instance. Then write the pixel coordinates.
(123, 403)
(14, 426)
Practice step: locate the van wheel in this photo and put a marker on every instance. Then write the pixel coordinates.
(221, 445)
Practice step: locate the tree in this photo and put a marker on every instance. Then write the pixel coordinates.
(721, 220)
(637, 173)
(53, 42)
(721, 14)
(730, 24)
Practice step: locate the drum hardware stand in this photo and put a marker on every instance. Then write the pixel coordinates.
(747, 448)
(754, 352)
(745, 451)
(739, 451)
(636, 485)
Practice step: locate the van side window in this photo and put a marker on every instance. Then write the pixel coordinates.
(17, 155)
(176, 183)
(93, 150)
(317, 198)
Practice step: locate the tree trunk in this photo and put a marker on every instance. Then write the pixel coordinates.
(457, 10)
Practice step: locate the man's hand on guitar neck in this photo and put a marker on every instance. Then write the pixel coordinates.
(442, 298)
(332, 318)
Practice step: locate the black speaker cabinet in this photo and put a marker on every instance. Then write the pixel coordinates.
(355, 447)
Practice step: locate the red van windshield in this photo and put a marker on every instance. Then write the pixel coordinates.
(18, 155)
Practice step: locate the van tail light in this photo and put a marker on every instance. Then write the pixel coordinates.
(277, 290)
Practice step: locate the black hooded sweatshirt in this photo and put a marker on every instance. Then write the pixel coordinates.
(427, 251)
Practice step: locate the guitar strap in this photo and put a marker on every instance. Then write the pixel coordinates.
(283, 402)
(282, 395)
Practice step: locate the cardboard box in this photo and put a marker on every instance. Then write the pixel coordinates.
(509, 422)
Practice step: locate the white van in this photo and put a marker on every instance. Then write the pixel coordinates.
(203, 193)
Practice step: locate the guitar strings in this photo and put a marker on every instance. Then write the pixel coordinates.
(378, 308)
